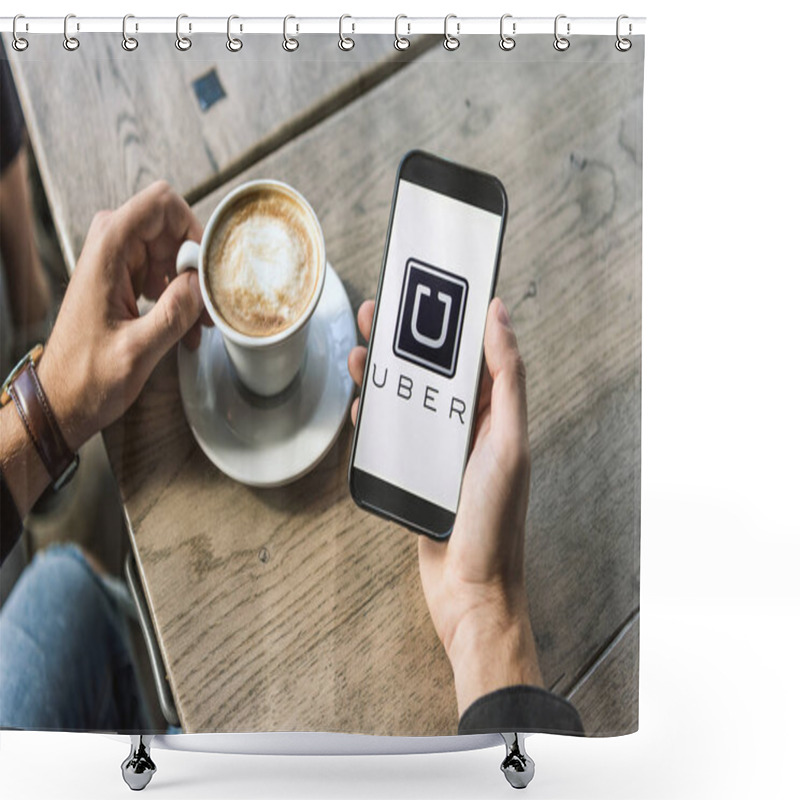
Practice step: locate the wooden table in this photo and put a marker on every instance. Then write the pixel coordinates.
(290, 609)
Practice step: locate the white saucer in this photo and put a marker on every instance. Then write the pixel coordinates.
(272, 441)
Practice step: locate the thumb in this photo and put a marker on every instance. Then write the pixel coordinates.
(509, 407)
(178, 308)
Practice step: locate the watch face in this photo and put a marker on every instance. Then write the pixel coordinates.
(33, 356)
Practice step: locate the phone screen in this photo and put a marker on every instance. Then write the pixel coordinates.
(427, 344)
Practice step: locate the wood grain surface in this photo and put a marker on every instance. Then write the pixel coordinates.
(291, 609)
(615, 673)
(105, 123)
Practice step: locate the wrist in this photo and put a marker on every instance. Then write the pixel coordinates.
(67, 409)
(490, 653)
(23, 470)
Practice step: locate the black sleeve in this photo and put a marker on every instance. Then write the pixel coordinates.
(521, 709)
(10, 522)
(11, 122)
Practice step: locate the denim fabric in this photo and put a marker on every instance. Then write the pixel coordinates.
(65, 654)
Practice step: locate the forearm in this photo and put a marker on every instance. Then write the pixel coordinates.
(24, 473)
(499, 686)
(491, 654)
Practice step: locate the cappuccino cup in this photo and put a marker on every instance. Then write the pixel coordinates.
(261, 265)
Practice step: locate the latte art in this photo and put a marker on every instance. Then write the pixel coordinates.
(263, 263)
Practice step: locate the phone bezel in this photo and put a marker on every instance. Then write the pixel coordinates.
(483, 191)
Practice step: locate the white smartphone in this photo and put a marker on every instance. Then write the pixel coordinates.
(417, 409)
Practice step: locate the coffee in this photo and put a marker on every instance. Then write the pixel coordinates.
(263, 262)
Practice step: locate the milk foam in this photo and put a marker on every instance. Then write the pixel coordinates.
(263, 264)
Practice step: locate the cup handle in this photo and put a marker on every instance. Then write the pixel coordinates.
(188, 257)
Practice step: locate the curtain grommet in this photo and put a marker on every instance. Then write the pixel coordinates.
(451, 42)
(290, 43)
(623, 44)
(401, 42)
(233, 44)
(129, 43)
(19, 43)
(346, 43)
(183, 43)
(560, 43)
(507, 42)
(70, 43)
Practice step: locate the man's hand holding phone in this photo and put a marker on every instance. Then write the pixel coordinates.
(474, 582)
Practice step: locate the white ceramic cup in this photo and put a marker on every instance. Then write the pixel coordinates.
(266, 365)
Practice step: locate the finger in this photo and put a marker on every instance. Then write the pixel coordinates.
(156, 211)
(151, 226)
(366, 314)
(194, 335)
(154, 283)
(180, 225)
(431, 553)
(485, 391)
(356, 363)
(171, 318)
(507, 371)
(354, 411)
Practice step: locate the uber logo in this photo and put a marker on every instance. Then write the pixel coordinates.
(430, 318)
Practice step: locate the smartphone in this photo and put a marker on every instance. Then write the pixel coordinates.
(425, 356)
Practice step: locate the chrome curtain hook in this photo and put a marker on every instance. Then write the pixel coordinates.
(290, 44)
(400, 42)
(70, 43)
(507, 42)
(451, 42)
(561, 43)
(183, 43)
(128, 42)
(346, 42)
(233, 44)
(622, 44)
(18, 43)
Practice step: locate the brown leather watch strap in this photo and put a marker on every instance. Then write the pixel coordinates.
(36, 414)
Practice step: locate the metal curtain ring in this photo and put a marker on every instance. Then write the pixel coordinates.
(128, 42)
(400, 42)
(346, 42)
(561, 43)
(290, 44)
(70, 42)
(622, 44)
(183, 43)
(451, 42)
(19, 44)
(233, 44)
(507, 42)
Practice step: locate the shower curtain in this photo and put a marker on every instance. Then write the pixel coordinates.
(206, 569)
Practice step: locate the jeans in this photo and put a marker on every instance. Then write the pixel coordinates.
(65, 654)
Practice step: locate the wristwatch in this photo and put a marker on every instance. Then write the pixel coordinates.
(23, 387)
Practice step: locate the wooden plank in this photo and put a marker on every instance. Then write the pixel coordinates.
(106, 123)
(608, 695)
(333, 633)
(582, 544)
